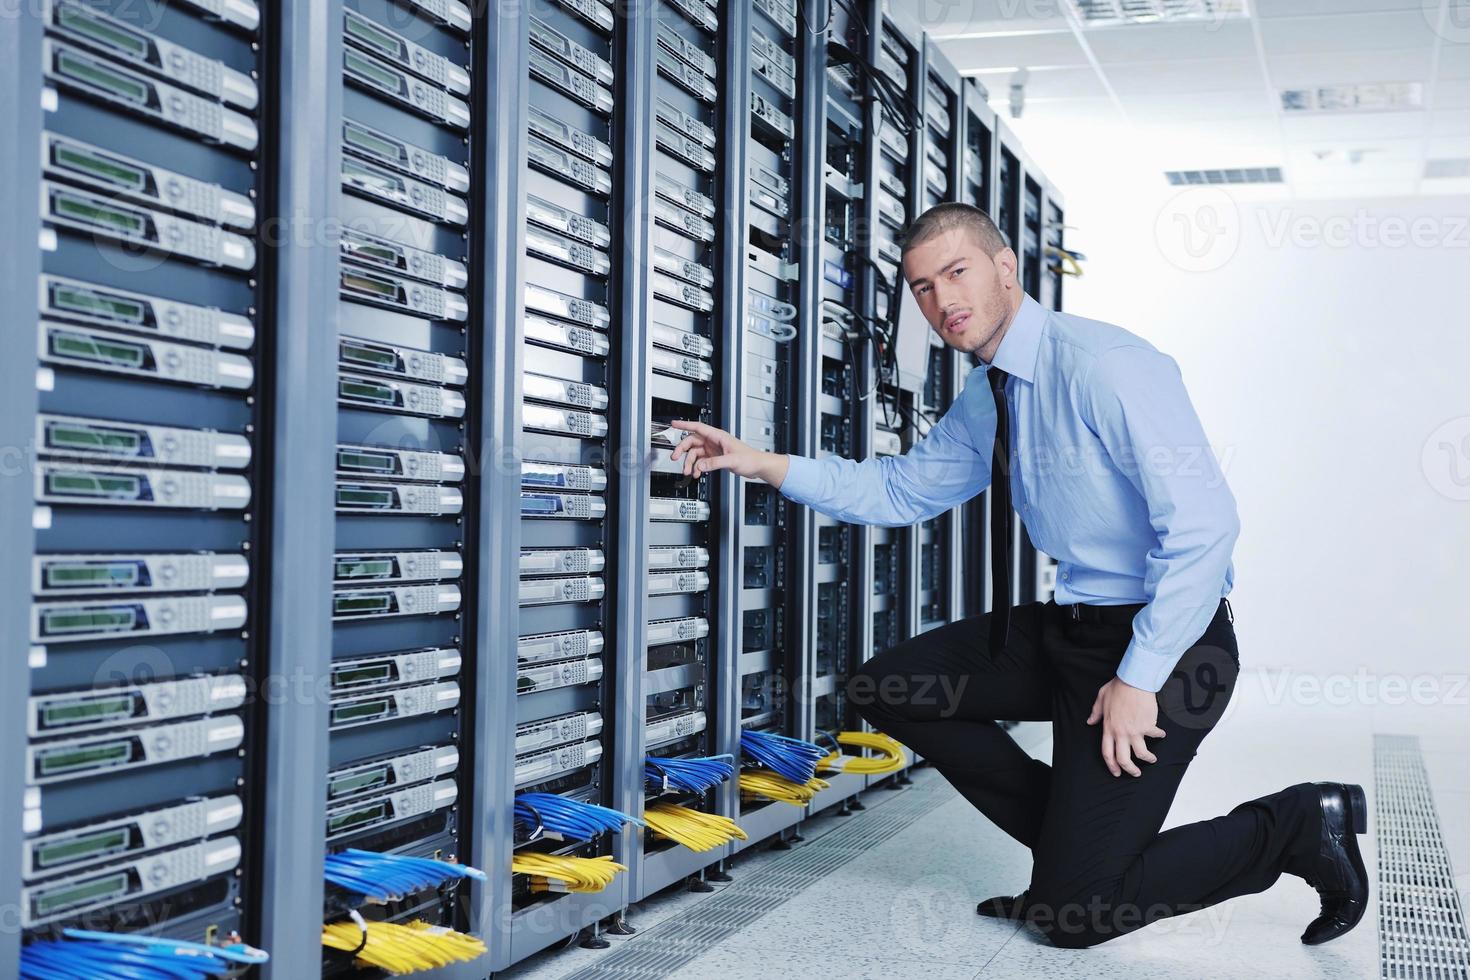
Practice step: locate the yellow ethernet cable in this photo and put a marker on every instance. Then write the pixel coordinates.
(401, 949)
(774, 786)
(566, 872)
(695, 829)
(890, 761)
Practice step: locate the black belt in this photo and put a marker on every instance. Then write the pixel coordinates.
(1112, 615)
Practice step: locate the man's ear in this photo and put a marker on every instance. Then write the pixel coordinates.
(1007, 264)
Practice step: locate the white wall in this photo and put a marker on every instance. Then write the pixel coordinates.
(1324, 345)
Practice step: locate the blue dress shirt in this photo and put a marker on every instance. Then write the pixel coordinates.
(1110, 471)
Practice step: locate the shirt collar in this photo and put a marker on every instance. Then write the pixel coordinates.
(1021, 345)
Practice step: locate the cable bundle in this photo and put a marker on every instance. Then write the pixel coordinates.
(694, 829)
(387, 877)
(891, 760)
(791, 757)
(90, 955)
(549, 815)
(774, 786)
(687, 775)
(565, 872)
(400, 949)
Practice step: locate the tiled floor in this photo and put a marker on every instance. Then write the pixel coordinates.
(906, 907)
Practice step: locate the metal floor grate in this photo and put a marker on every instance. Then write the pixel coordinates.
(678, 941)
(1421, 924)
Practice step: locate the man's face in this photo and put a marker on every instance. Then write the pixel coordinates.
(959, 288)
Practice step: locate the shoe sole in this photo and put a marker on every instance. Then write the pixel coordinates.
(1357, 802)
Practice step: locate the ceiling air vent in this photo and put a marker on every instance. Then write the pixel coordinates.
(1375, 97)
(1459, 167)
(1234, 175)
(1103, 13)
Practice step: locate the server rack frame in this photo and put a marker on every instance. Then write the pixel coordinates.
(302, 422)
(20, 175)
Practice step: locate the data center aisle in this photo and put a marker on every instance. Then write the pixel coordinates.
(894, 887)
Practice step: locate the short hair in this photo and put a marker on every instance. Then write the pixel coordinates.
(949, 216)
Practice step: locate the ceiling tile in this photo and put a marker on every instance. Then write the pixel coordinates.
(1450, 122)
(1352, 126)
(1354, 190)
(1197, 75)
(1338, 68)
(1454, 61)
(1163, 42)
(1452, 93)
(1188, 106)
(1026, 51)
(1300, 8)
(1346, 32)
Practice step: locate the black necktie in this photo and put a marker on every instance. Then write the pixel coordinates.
(1000, 517)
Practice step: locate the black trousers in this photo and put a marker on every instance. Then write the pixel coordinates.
(1100, 867)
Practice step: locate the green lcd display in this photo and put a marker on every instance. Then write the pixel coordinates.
(359, 710)
(386, 256)
(114, 172)
(114, 352)
(91, 438)
(56, 761)
(365, 568)
(109, 485)
(87, 302)
(117, 38)
(106, 216)
(356, 497)
(339, 823)
(55, 622)
(373, 144)
(94, 74)
(367, 284)
(380, 41)
(371, 356)
(361, 604)
(356, 782)
(364, 68)
(366, 462)
(91, 575)
(85, 847)
(48, 903)
(375, 673)
(382, 183)
(85, 711)
(364, 391)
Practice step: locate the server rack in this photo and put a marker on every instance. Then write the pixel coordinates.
(774, 321)
(401, 673)
(151, 303)
(512, 219)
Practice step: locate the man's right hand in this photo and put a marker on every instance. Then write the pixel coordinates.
(706, 449)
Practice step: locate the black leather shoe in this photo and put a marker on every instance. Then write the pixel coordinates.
(1337, 870)
(1002, 906)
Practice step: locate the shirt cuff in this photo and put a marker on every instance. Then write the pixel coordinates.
(803, 478)
(1146, 669)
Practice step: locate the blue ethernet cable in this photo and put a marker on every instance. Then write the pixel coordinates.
(576, 820)
(688, 775)
(791, 757)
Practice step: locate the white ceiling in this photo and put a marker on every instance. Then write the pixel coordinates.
(1204, 93)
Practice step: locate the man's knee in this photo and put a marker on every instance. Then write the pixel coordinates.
(877, 686)
(1078, 918)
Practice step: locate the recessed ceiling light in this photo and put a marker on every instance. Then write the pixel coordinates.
(1102, 13)
(1453, 167)
(1227, 175)
(1369, 97)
